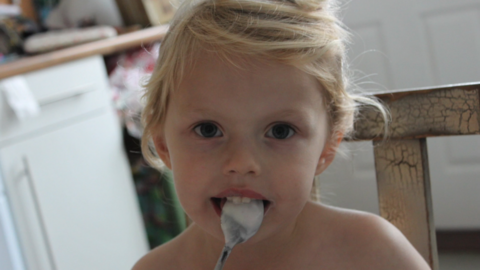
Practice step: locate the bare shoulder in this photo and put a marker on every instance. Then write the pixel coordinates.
(166, 256)
(159, 258)
(374, 243)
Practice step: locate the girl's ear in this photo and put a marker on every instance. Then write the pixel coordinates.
(328, 154)
(162, 150)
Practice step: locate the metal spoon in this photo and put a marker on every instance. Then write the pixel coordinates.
(240, 221)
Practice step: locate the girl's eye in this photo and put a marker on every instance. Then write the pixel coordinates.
(207, 130)
(281, 132)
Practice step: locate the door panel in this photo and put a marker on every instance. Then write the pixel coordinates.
(412, 44)
(368, 53)
(454, 42)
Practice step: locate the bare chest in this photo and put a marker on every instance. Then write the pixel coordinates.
(313, 260)
(309, 260)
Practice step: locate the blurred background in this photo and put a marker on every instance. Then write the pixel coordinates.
(408, 45)
(75, 192)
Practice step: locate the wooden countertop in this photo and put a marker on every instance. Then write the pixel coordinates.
(104, 46)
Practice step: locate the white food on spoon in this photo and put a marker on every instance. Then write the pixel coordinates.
(241, 218)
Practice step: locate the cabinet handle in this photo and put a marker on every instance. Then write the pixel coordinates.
(78, 91)
(38, 211)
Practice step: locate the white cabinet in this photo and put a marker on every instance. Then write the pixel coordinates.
(65, 93)
(67, 177)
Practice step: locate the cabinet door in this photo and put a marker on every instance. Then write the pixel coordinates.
(73, 198)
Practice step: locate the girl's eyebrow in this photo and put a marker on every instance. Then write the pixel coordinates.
(301, 118)
(297, 113)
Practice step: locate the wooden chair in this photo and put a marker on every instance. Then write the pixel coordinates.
(401, 162)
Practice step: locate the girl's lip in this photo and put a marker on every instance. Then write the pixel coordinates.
(240, 193)
(217, 204)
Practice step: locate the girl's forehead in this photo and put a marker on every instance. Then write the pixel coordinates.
(243, 73)
(248, 87)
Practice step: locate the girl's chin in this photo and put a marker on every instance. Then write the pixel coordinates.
(212, 230)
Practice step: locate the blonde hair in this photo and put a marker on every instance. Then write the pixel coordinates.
(304, 33)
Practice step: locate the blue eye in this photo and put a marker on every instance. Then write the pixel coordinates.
(207, 130)
(281, 132)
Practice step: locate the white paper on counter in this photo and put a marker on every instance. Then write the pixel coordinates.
(20, 98)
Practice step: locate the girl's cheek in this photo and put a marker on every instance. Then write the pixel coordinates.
(193, 168)
(201, 150)
(295, 148)
(294, 161)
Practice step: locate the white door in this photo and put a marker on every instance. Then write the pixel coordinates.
(72, 198)
(411, 44)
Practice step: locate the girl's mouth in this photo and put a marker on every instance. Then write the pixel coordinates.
(218, 203)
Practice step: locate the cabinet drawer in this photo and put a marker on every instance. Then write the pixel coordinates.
(64, 92)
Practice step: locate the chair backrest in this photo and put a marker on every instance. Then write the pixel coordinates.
(401, 161)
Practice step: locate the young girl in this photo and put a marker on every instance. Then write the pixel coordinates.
(249, 99)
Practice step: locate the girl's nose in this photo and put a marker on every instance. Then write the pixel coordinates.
(241, 158)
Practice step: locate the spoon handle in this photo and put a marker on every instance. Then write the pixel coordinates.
(221, 261)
